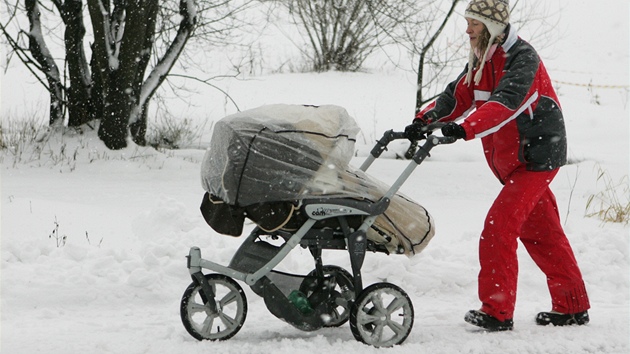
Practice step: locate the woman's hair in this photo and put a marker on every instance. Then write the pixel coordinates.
(482, 45)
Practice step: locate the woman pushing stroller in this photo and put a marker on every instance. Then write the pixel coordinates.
(519, 120)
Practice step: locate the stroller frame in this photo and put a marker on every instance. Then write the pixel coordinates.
(336, 295)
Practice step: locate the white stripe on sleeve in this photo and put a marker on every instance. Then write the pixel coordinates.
(525, 106)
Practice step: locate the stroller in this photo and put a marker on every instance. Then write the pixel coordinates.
(286, 168)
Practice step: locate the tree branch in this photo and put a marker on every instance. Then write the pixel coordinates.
(207, 82)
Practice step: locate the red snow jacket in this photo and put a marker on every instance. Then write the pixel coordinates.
(515, 110)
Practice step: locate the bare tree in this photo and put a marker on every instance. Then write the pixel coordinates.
(38, 57)
(124, 35)
(134, 45)
(342, 33)
(423, 34)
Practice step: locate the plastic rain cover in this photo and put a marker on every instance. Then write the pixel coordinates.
(288, 153)
(281, 153)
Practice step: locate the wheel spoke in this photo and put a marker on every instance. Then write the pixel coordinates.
(229, 298)
(366, 318)
(196, 308)
(377, 300)
(395, 305)
(396, 327)
(207, 325)
(228, 321)
(377, 333)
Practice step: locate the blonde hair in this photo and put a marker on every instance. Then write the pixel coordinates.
(484, 40)
(477, 52)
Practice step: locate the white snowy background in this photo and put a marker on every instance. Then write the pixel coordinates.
(130, 216)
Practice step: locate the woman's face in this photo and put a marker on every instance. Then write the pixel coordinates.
(474, 30)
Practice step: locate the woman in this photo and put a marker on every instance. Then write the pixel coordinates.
(519, 120)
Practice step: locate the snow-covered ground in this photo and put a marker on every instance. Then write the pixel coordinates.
(129, 218)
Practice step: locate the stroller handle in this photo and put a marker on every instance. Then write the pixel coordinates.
(421, 154)
(381, 144)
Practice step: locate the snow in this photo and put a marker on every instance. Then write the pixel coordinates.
(130, 217)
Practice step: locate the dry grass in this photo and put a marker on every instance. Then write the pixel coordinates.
(170, 133)
(612, 204)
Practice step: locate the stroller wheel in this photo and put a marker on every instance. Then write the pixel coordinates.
(204, 323)
(342, 294)
(382, 315)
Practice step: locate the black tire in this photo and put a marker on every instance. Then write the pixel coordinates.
(382, 315)
(343, 294)
(199, 320)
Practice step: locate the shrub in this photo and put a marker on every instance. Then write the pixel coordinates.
(172, 133)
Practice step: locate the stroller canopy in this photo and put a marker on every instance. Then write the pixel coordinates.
(281, 153)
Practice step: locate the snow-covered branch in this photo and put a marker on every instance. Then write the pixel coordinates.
(39, 50)
(188, 10)
(110, 43)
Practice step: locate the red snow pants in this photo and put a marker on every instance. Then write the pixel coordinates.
(526, 209)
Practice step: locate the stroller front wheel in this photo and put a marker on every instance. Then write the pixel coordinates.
(382, 315)
(220, 323)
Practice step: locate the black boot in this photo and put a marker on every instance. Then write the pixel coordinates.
(561, 319)
(485, 321)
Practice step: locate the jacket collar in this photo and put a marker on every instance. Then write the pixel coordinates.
(511, 38)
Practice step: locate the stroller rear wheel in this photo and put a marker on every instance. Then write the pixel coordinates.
(205, 323)
(342, 294)
(382, 315)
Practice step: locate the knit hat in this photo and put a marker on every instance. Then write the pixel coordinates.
(495, 15)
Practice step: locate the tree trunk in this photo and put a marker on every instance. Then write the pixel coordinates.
(80, 81)
(97, 103)
(147, 14)
(113, 130)
(420, 99)
(138, 118)
(40, 52)
(123, 43)
(115, 53)
(122, 60)
(102, 63)
(138, 129)
(99, 60)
